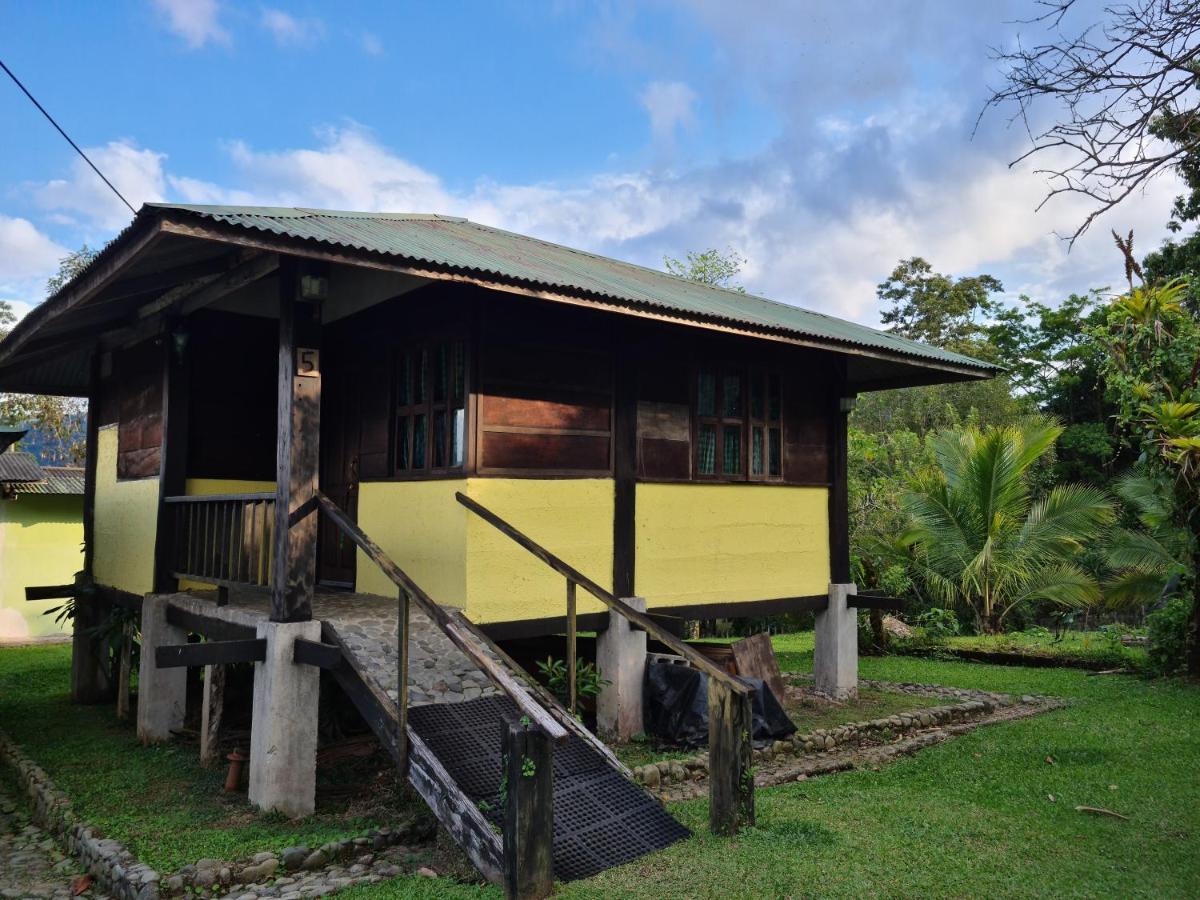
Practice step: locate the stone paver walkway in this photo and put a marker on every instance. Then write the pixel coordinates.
(438, 672)
(31, 865)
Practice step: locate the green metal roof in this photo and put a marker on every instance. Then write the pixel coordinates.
(459, 244)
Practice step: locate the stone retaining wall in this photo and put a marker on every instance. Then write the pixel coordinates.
(115, 870)
(970, 706)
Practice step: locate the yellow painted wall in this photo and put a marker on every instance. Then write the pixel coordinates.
(716, 543)
(422, 527)
(126, 519)
(571, 517)
(41, 542)
(462, 561)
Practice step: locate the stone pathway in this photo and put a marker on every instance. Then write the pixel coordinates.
(31, 865)
(438, 672)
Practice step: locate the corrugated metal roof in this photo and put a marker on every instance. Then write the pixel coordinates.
(448, 242)
(58, 480)
(17, 466)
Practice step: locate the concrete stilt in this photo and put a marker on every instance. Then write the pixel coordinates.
(835, 655)
(283, 730)
(621, 658)
(162, 693)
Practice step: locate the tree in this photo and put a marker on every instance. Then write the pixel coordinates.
(1125, 89)
(58, 421)
(951, 313)
(1152, 368)
(709, 267)
(981, 540)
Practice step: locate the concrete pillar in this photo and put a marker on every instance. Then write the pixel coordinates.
(162, 693)
(835, 655)
(621, 658)
(283, 729)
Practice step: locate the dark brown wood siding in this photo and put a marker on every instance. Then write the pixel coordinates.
(136, 386)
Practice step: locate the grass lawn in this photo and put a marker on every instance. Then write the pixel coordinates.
(158, 801)
(971, 817)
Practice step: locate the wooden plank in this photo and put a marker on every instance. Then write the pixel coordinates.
(755, 658)
(90, 450)
(636, 617)
(212, 627)
(462, 632)
(454, 810)
(124, 671)
(547, 450)
(528, 779)
(316, 653)
(730, 778)
(212, 711)
(50, 592)
(871, 601)
(210, 653)
(298, 453)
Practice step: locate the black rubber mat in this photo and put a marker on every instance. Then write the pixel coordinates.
(601, 819)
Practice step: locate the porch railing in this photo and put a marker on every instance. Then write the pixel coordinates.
(222, 539)
(731, 781)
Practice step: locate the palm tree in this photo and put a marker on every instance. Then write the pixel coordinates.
(979, 537)
(1146, 561)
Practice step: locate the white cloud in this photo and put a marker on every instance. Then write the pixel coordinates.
(82, 198)
(27, 259)
(371, 44)
(671, 105)
(292, 31)
(196, 21)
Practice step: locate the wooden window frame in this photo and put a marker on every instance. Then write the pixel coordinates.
(746, 422)
(423, 352)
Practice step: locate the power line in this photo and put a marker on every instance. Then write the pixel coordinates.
(66, 136)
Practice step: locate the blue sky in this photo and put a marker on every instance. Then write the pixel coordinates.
(823, 141)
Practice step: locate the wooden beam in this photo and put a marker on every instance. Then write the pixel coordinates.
(528, 761)
(50, 592)
(212, 711)
(298, 451)
(211, 627)
(211, 288)
(731, 778)
(839, 497)
(172, 472)
(872, 601)
(316, 653)
(90, 451)
(210, 653)
(625, 398)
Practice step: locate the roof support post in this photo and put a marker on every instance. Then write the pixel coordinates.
(841, 404)
(294, 566)
(172, 472)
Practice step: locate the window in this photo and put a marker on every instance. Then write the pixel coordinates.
(431, 412)
(739, 433)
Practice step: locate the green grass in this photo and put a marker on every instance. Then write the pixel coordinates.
(158, 801)
(1081, 646)
(971, 817)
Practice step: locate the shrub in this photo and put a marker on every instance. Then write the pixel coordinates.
(939, 623)
(588, 680)
(1167, 629)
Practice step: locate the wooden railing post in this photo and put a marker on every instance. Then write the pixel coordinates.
(571, 641)
(730, 776)
(527, 789)
(402, 685)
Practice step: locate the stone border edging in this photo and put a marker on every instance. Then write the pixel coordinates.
(679, 779)
(115, 870)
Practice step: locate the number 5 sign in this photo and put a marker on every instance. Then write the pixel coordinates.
(308, 362)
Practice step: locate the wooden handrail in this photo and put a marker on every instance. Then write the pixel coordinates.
(458, 629)
(638, 618)
(220, 498)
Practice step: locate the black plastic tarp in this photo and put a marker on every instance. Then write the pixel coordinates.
(675, 708)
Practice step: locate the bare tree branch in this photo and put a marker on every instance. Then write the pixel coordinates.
(1128, 92)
